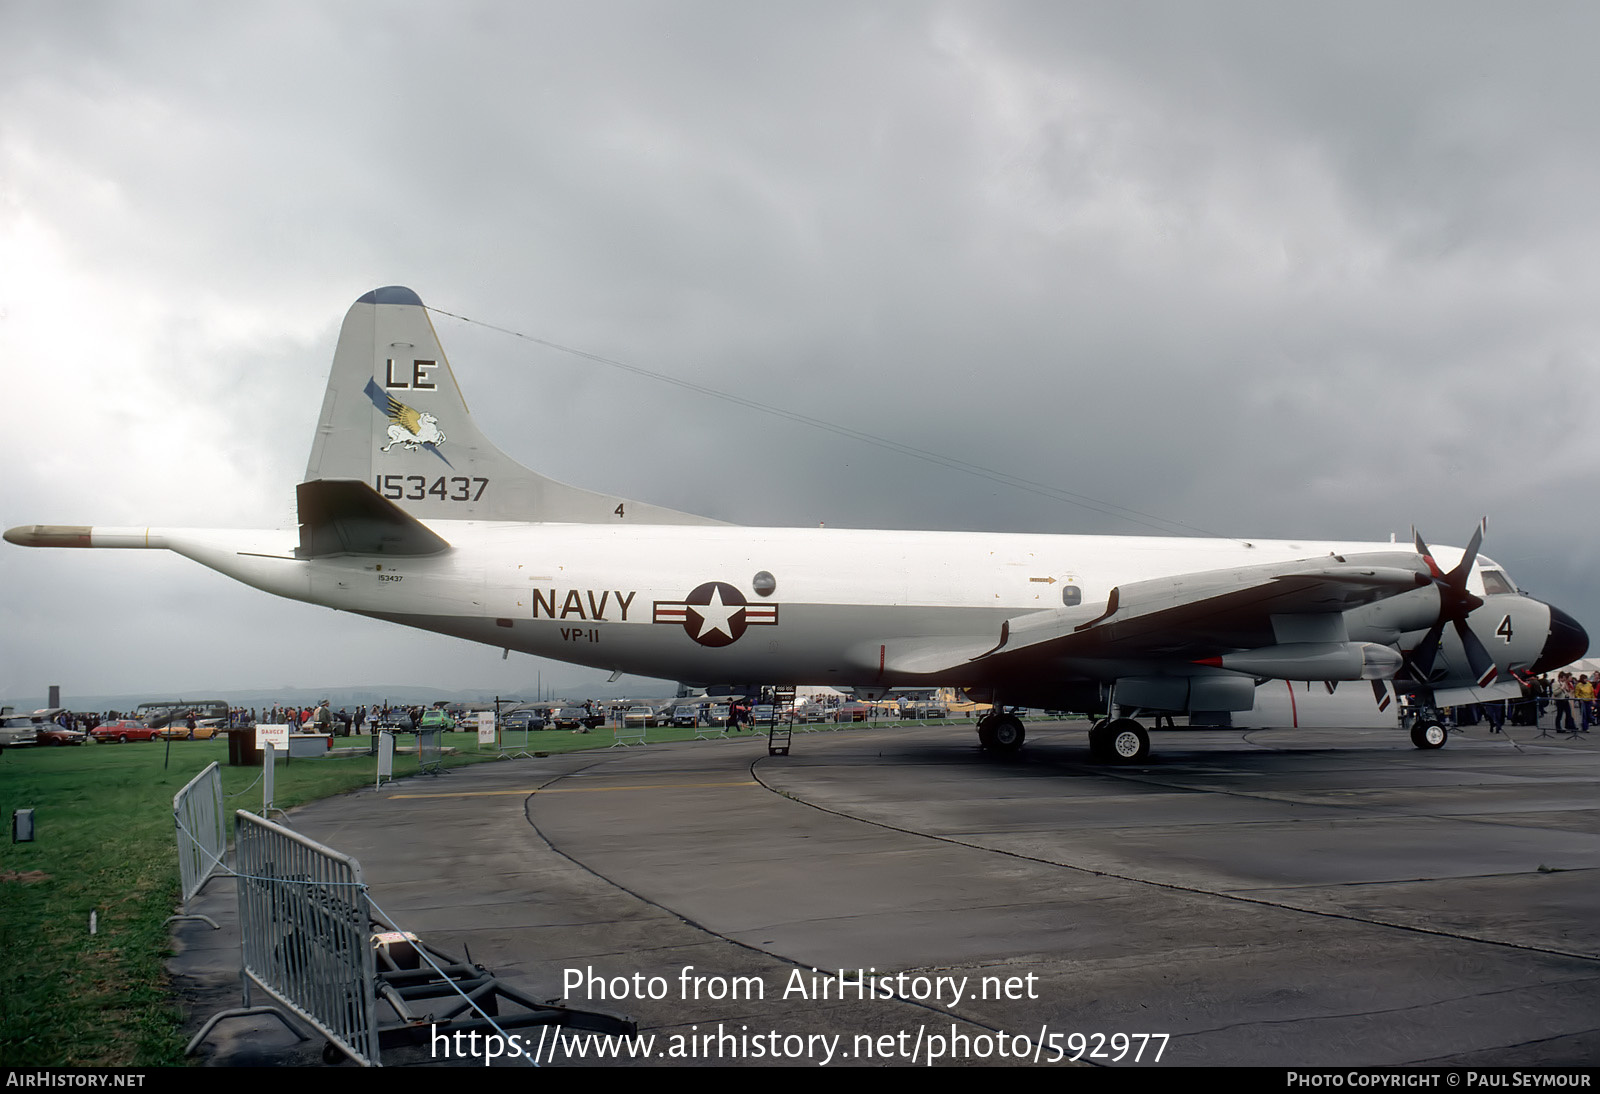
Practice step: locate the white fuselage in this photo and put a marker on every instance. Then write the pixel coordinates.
(618, 598)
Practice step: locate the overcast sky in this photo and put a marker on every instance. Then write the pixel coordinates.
(1259, 269)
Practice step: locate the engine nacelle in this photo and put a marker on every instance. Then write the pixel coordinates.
(1314, 661)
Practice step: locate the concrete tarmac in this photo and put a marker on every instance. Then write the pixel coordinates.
(1260, 897)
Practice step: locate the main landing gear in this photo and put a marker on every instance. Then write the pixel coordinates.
(1002, 733)
(1119, 740)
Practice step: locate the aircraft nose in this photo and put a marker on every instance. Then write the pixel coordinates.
(1567, 642)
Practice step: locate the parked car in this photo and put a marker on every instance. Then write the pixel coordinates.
(523, 719)
(178, 730)
(51, 734)
(574, 717)
(643, 717)
(719, 716)
(437, 719)
(124, 729)
(686, 715)
(18, 730)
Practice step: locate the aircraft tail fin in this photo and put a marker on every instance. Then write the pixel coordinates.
(393, 416)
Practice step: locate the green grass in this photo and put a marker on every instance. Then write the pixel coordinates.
(104, 844)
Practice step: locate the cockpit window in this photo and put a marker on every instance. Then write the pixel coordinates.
(1494, 581)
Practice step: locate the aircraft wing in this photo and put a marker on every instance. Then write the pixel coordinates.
(1184, 618)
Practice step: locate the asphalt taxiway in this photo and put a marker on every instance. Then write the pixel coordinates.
(1254, 897)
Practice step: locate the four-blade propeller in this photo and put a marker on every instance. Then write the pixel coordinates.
(1455, 604)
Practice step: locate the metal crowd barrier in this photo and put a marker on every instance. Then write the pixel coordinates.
(305, 922)
(202, 836)
(312, 942)
(428, 751)
(629, 735)
(513, 750)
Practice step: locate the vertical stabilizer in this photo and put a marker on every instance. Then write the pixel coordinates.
(393, 417)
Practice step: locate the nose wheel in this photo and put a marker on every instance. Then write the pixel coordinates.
(1429, 734)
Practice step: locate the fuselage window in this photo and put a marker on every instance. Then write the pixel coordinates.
(1071, 594)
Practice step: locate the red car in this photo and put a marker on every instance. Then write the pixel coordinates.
(52, 734)
(124, 729)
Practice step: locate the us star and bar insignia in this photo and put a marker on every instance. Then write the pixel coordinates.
(715, 614)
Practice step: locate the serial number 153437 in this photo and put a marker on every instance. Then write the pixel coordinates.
(417, 487)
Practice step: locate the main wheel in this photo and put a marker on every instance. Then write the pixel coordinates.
(1007, 733)
(1429, 734)
(1127, 742)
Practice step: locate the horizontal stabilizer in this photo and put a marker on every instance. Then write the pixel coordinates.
(346, 517)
